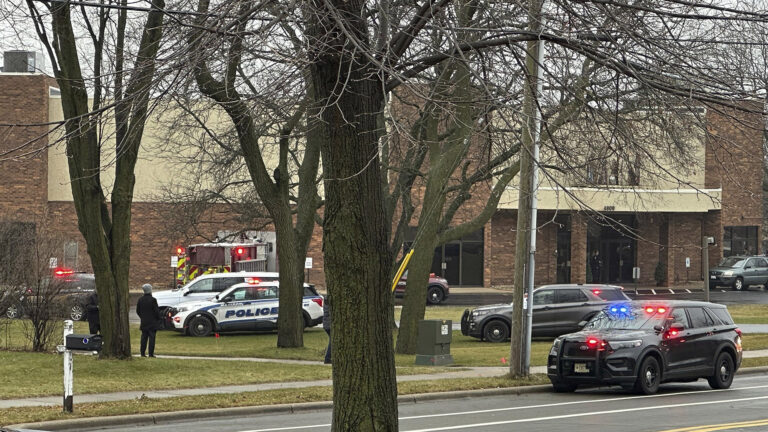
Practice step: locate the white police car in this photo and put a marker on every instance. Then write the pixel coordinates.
(242, 307)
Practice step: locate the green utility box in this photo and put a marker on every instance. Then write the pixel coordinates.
(433, 345)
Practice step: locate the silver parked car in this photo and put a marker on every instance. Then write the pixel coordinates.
(557, 309)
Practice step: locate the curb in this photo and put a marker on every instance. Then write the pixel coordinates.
(168, 417)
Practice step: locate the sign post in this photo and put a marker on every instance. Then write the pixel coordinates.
(308, 266)
(68, 377)
(636, 276)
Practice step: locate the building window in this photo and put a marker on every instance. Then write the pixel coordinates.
(70, 255)
(739, 240)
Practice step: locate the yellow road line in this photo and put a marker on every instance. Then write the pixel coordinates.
(719, 427)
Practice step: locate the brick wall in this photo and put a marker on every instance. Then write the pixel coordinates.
(734, 159)
(647, 246)
(579, 248)
(23, 141)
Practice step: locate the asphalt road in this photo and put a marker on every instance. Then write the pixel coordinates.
(676, 406)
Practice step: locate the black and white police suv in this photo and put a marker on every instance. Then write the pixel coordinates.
(242, 307)
(640, 345)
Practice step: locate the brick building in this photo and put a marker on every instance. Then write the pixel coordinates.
(644, 225)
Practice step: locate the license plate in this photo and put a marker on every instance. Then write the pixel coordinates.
(580, 368)
(713, 277)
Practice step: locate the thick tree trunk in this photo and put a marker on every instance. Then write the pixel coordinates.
(355, 231)
(290, 321)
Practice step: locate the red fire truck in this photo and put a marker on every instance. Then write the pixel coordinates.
(207, 258)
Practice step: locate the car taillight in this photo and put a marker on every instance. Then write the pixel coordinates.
(176, 319)
(319, 301)
(738, 331)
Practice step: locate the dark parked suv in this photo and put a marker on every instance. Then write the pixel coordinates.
(641, 344)
(66, 295)
(557, 309)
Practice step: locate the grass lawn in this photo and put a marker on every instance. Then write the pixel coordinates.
(269, 397)
(749, 313)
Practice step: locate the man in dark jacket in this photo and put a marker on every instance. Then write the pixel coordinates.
(327, 327)
(92, 314)
(149, 313)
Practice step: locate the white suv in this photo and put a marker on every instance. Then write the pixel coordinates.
(207, 286)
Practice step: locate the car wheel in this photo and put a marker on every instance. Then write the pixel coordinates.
(738, 284)
(77, 312)
(648, 376)
(13, 312)
(200, 326)
(435, 295)
(560, 387)
(723, 373)
(496, 331)
(307, 320)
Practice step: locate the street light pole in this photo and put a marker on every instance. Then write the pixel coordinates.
(534, 202)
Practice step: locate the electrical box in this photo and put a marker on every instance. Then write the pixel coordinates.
(433, 343)
(84, 342)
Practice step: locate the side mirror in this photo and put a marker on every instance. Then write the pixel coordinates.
(227, 299)
(583, 323)
(658, 328)
(186, 292)
(747, 267)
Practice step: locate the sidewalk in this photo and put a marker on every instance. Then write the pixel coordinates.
(469, 372)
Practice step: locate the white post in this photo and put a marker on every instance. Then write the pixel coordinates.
(534, 203)
(68, 376)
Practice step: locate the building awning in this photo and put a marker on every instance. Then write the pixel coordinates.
(620, 199)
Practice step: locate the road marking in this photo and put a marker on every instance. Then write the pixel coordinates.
(584, 414)
(653, 291)
(688, 291)
(618, 399)
(721, 426)
(671, 291)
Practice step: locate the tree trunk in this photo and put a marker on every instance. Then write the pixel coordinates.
(355, 231)
(414, 302)
(290, 321)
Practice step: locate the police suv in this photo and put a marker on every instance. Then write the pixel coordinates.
(242, 307)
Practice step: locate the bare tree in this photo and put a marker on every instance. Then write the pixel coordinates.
(105, 227)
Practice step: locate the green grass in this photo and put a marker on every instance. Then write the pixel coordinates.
(749, 314)
(269, 397)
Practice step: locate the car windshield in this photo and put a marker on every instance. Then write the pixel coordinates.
(634, 319)
(732, 262)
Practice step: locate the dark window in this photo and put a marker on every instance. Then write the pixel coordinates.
(753, 262)
(761, 262)
(739, 240)
(220, 284)
(309, 291)
(699, 318)
(679, 316)
(571, 296)
(610, 294)
(723, 315)
(543, 297)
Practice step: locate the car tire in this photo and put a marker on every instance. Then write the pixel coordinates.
(648, 376)
(435, 295)
(722, 377)
(14, 312)
(200, 326)
(560, 387)
(738, 284)
(77, 312)
(307, 320)
(496, 331)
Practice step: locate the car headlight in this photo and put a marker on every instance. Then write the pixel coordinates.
(479, 313)
(555, 347)
(728, 273)
(617, 345)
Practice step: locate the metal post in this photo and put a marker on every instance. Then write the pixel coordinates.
(68, 377)
(705, 265)
(534, 204)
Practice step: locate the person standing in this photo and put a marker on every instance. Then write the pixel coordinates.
(595, 265)
(92, 313)
(149, 313)
(327, 327)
